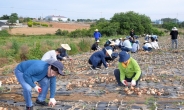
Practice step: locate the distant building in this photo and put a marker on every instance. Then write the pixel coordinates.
(157, 22)
(56, 18)
(3, 25)
(4, 21)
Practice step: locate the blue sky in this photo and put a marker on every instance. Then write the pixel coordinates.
(93, 9)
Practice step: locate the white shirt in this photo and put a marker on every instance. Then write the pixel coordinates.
(117, 41)
(155, 45)
(50, 55)
(147, 45)
(135, 47)
(126, 43)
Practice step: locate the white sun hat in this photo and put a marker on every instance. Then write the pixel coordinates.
(97, 41)
(109, 52)
(110, 40)
(96, 29)
(174, 28)
(66, 46)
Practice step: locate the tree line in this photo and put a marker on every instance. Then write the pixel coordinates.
(119, 24)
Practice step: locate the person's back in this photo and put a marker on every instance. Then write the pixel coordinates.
(154, 44)
(117, 41)
(51, 55)
(94, 46)
(107, 43)
(174, 34)
(146, 37)
(147, 46)
(127, 43)
(135, 47)
(97, 58)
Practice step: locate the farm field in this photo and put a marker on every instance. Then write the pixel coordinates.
(48, 30)
(161, 86)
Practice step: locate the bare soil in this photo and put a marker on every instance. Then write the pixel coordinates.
(165, 65)
(48, 30)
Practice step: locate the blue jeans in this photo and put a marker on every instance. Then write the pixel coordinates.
(44, 84)
(174, 41)
(147, 48)
(126, 49)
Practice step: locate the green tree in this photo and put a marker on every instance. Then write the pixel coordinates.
(169, 25)
(170, 20)
(27, 19)
(13, 18)
(131, 20)
(59, 19)
(4, 17)
(181, 25)
(68, 19)
(105, 27)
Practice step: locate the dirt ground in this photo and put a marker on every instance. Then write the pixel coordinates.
(48, 30)
(161, 69)
(78, 71)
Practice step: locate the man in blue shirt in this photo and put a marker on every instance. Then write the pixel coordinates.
(97, 58)
(31, 71)
(97, 35)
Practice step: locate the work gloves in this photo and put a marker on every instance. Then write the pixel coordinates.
(64, 58)
(133, 82)
(125, 82)
(52, 102)
(38, 89)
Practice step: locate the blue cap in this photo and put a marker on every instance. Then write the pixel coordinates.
(123, 56)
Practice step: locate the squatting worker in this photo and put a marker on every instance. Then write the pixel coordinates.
(31, 71)
(63, 55)
(97, 58)
(128, 70)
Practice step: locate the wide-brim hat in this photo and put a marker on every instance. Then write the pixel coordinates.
(123, 56)
(174, 29)
(58, 65)
(97, 41)
(96, 29)
(66, 46)
(112, 43)
(109, 51)
(110, 40)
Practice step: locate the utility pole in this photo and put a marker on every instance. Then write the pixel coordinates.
(12, 9)
(55, 12)
(176, 17)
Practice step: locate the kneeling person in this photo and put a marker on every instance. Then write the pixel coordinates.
(128, 70)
